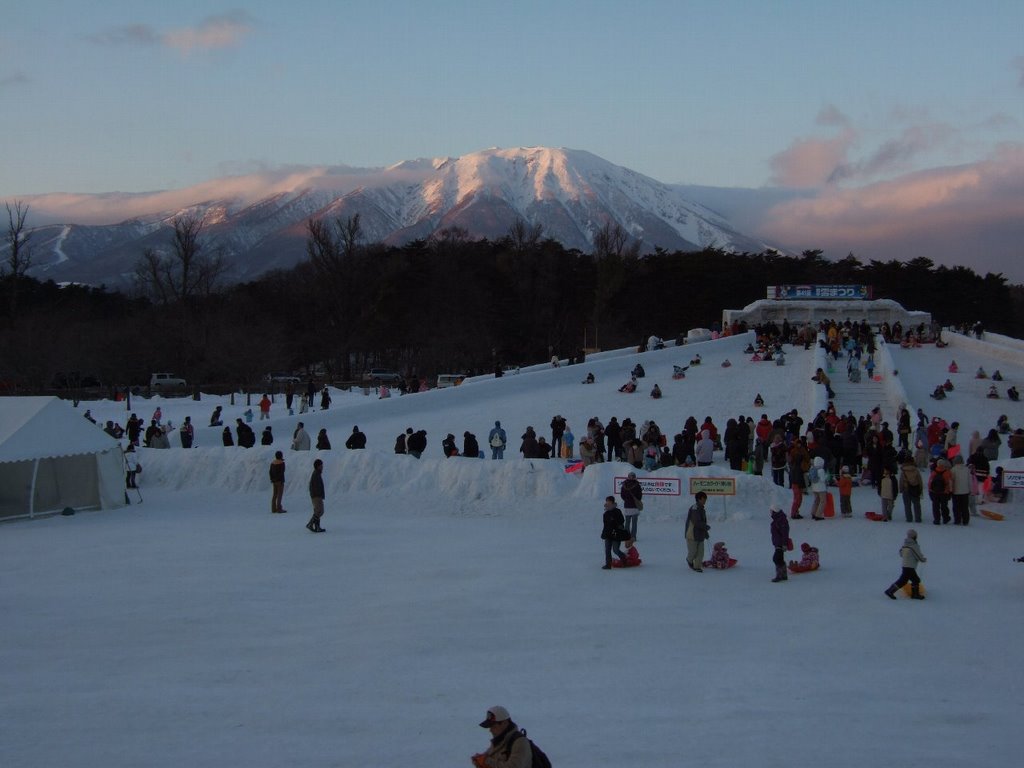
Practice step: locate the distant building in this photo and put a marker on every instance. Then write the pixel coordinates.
(814, 303)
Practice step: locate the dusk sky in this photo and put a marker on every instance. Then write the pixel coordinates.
(895, 109)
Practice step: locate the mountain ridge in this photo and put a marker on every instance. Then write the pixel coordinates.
(258, 221)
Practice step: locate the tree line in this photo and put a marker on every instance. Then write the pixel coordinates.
(444, 304)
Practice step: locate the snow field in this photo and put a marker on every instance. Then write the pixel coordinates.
(198, 629)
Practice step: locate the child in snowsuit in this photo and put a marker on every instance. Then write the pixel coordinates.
(809, 561)
(632, 556)
(719, 557)
(911, 555)
(845, 483)
(887, 491)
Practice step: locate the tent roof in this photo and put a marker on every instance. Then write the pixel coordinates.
(45, 427)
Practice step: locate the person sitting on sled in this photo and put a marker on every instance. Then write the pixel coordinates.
(809, 561)
(720, 559)
(992, 393)
(758, 401)
(953, 367)
(1013, 394)
(632, 559)
(589, 379)
(695, 360)
(726, 363)
(638, 371)
(980, 374)
(656, 392)
(997, 376)
(947, 385)
(629, 386)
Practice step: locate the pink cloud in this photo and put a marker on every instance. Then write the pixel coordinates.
(945, 213)
(225, 30)
(811, 162)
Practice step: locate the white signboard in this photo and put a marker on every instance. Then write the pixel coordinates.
(654, 486)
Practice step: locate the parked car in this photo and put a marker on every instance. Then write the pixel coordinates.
(382, 376)
(449, 380)
(166, 381)
(282, 378)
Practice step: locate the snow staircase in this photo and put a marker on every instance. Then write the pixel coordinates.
(861, 397)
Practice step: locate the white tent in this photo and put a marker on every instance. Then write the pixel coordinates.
(51, 458)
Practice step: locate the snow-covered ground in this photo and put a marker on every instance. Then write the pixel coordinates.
(198, 629)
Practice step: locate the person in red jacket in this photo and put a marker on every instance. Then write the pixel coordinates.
(720, 559)
(264, 408)
(632, 556)
(940, 486)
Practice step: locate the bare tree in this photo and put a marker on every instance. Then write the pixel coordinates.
(523, 235)
(613, 240)
(19, 250)
(189, 271)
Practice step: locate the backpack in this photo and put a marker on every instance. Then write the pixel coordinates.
(538, 758)
(938, 484)
(812, 475)
(496, 441)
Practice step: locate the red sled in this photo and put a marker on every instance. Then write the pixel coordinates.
(830, 505)
(709, 564)
(797, 568)
(876, 516)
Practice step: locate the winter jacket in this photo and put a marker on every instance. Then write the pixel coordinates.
(514, 744)
(705, 448)
(470, 447)
(612, 520)
(323, 443)
(960, 477)
(632, 559)
(496, 438)
(780, 529)
(417, 442)
(820, 483)
(887, 488)
(356, 441)
(911, 553)
(697, 524)
(631, 493)
(943, 475)
(277, 471)
(911, 482)
(845, 483)
(316, 485)
(300, 442)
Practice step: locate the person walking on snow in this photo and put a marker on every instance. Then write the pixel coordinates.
(277, 483)
(696, 532)
(612, 531)
(632, 503)
(780, 540)
(911, 555)
(316, 495)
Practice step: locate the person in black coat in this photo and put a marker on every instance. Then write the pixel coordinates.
(246, 437)
(449, 447)
(612, 532)
(470, 446)
(267, 438)
(226, 435)
(416, 443)
(357, 440)
(780, 540)
(323, 443)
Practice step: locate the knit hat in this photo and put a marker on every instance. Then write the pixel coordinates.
(805, 547)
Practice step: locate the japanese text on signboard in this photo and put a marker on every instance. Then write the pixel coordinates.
(713, 486)
(819, 292)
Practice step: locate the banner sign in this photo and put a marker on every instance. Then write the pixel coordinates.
(713, 486)
(654, 486)
(1011, 479)
(819, 292)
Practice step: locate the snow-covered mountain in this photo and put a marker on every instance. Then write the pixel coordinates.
(258, 222)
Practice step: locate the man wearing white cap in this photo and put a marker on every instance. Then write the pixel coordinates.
(508, 749)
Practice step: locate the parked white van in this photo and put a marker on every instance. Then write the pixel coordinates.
(449, 380)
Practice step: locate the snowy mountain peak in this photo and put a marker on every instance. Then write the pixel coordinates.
(258, 220)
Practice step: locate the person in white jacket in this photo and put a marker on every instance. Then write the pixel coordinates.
(818, 485)
(911, 555)
(300, 440)
(960, 476)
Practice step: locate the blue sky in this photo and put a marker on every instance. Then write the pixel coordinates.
(136, 96)
(902, 124)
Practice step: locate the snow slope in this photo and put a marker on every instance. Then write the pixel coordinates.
(197, 629)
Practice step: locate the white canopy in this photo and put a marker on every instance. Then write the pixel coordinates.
(51, 458)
